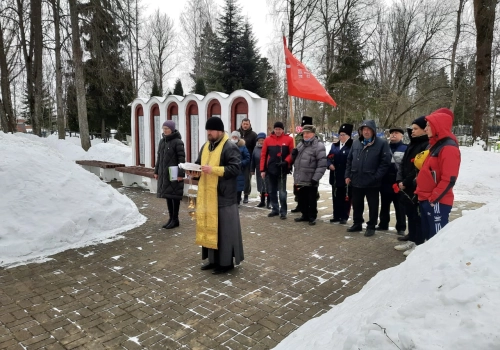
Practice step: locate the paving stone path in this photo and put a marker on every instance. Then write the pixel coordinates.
(146, 290)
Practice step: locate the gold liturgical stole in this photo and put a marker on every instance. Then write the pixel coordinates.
(207, 212)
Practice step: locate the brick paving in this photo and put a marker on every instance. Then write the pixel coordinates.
(146, 290)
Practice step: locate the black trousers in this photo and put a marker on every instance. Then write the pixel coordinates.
(386, 198)
(414, 221)
(358, 205)
(341, 207)
(308, 202)
(248, 180)
(173, 208)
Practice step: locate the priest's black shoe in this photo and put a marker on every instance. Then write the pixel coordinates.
(283, 217)
(334, 220)
(381, 228)
(355, 228)
(296, 210)
(222, 269)
(209, 266)
(343, 222)
(173, 223)
(301, 218)
(271, 214)
(168, 223)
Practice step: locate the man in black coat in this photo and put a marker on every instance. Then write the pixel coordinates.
(367, 163)
(250, 138)
(170, 154)
(406, 179)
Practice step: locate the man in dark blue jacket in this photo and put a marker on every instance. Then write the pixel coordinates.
(337, 161)
(367, 163)
(387, 193)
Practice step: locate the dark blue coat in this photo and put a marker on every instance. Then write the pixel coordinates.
(338, 157)
(245, 162)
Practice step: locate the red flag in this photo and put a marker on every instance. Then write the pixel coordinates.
(301, 83)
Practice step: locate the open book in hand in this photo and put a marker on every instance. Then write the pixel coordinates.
(190, 166)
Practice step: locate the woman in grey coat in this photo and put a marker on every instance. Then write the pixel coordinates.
(309, 167)
(170, 154)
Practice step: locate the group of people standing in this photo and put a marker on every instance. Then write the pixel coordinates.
(417, 179)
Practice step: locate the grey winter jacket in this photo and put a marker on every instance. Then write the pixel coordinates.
(367, 164)
(310, 163)
(170, 153)
(231, 161)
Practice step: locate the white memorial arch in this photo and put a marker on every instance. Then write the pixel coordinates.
(190, 114)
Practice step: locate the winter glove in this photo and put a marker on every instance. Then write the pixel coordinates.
(314, 182)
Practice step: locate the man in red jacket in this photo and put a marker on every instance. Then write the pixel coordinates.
(438, 174)
(275, 162)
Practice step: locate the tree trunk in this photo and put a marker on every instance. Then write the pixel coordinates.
(61, 127)
(36, 27)
(454, 84)
(79, 77)
(28, 60)
(10, 124)
(484, 16)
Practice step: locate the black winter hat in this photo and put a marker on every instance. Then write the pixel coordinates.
(279, 125)
(401, 130)
(306, 120)
(214, 123)
(420, 121)
(346, 128)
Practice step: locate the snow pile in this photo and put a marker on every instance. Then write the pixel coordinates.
(110, 152)
(446, 295)
(49, 204)
(478, 177)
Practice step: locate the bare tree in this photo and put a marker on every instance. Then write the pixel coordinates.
(484, 16)
(458, 30)
(404, 41)
(79, 76)
(160, 49)
(6, 55)
(196, 15)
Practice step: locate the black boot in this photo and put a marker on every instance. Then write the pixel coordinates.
(262, 201)
(173, 223)
(168, 223)
(245, 198)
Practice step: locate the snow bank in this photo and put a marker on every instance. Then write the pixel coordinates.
(444, 296)
(110, 152)
(49, 204)
(478, 177)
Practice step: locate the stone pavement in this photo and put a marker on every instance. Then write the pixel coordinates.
(146, 290)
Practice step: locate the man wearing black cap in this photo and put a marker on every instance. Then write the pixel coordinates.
(337, 161)
(388, 194)
(218, 228)
(298, 138)
(275, 162)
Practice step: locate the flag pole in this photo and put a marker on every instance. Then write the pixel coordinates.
(290, 100)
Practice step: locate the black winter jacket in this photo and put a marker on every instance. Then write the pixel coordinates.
(231, 161)
(250, 138)
(170, 153)
(338, 157)
(367, 165)
(407, 171)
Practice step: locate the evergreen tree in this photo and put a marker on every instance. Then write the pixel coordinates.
(204, 54)
(199, 88)
(178, 90)
(109, 84)
(466, 93)
(347, 83)
(156, 89)
(226, 49)
(248, 61)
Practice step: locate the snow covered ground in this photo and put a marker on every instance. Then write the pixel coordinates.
(49, 204)
(446, 295)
